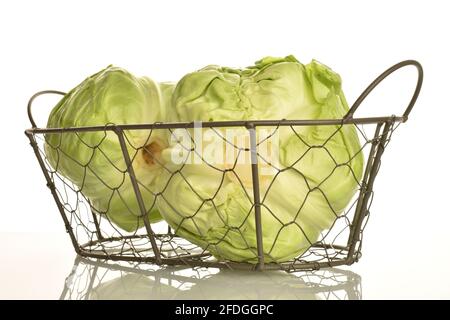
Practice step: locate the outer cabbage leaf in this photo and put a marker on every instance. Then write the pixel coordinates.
(93, 160)
(315, 178)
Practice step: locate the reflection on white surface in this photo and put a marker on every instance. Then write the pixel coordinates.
(96, 279)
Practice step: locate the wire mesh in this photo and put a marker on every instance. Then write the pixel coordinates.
(96, 235)
(126, 165)
(92, 279)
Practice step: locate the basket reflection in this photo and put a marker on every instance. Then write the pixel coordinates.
(92, 279)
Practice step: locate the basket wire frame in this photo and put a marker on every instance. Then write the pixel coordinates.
(93, 235)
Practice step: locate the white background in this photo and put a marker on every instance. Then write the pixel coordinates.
(55, 45)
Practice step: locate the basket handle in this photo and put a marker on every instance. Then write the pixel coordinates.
(384, 75)
(33, 97)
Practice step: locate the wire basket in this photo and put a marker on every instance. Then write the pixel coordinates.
(92, 279)
(94, 235)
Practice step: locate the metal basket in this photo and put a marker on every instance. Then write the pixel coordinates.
(94, 235)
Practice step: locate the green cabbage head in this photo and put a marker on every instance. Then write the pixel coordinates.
(93, 161)
(303, 191)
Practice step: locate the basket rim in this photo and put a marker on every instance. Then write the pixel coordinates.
(249, 124)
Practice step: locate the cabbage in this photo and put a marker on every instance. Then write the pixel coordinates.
(93, 161)
(211, 204)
